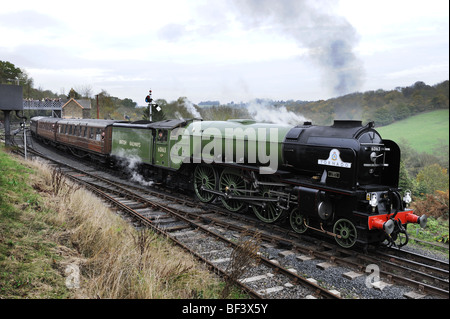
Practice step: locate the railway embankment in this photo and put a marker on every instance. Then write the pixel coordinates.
(59, 241)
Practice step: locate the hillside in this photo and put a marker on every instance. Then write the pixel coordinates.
(424, 132)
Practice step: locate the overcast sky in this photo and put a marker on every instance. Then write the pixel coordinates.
(227, 50)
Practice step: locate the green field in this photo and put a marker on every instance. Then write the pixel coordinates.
(424, 132)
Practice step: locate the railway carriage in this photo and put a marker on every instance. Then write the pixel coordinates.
(339, 180)
(83, 137)
(44, 127)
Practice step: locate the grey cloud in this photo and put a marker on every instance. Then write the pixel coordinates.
(172, 32)
(330, 39)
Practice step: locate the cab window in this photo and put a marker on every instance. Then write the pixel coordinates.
(161, 136)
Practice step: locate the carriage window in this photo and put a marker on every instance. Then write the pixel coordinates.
(98, 134)
(91, 133)
(75, 130)
(65, 129)
(70, 129)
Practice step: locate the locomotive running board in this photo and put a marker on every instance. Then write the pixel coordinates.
(239, 197)
(321, 230)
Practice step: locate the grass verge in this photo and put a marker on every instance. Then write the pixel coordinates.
(69, 245)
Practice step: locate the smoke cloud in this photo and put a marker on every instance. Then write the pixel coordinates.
(329, 39)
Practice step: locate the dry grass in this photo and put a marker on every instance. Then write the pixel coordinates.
(243, 256)
(115, 259)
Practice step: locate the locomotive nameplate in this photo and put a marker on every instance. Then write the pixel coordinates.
(334, 159)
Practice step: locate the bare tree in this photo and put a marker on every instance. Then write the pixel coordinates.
(85, 90)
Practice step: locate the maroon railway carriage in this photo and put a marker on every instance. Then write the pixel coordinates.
(81, 136)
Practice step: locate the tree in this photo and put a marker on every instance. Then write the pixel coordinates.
(405, 181)
(439, 101)
(128, 103)
(156, 115)
(400, 111)
(383, 116)
(106, 105)
(85, 91)
(432, 178)
(9, 72)
(73, 94)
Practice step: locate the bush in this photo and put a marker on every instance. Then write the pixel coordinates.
(434, 205)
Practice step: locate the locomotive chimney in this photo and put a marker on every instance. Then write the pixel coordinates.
(347, 123)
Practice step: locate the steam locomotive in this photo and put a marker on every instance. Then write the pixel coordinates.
(339, 180)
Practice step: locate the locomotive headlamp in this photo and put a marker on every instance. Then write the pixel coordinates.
(373, 200)
(407, 198)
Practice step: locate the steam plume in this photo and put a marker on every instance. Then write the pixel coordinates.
(130, 163)
(191, 108)
(263, 112)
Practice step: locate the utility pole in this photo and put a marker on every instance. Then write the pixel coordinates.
(98, 113)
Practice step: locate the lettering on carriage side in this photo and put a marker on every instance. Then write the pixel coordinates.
(162, 149)
(334, 159)
(122, 142)
(135, 144)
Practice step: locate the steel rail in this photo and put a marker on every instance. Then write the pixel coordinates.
(318, 291)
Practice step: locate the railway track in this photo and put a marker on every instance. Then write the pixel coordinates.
(192, 230)
(426, 275)
(194, 225)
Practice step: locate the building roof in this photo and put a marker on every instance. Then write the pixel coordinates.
(83, 103)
